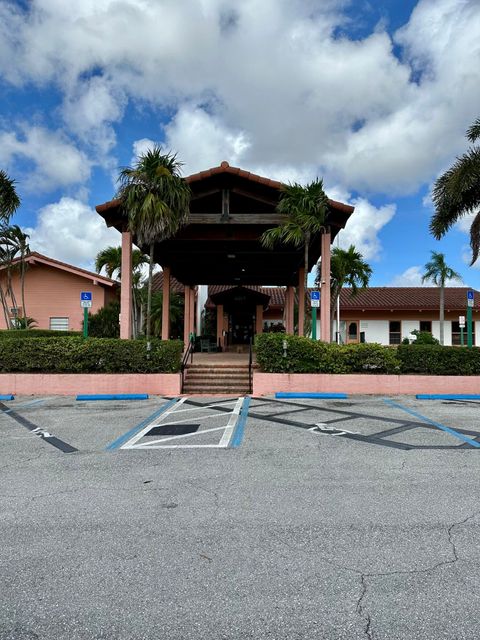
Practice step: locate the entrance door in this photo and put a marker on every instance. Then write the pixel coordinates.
(352, 331)
(242, 324)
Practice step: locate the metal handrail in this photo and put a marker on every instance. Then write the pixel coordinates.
(188, 353)
(250, 366)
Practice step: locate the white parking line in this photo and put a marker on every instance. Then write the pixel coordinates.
(166, 419)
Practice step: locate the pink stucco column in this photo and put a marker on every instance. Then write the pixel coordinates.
(126, 287)
(220, 325)
(259, 319)
(289, 308)
(325, 328)
(186, 315)
(301, 300)
(192, 309)
(166, 304)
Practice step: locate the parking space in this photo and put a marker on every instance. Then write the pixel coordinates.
(330, 518)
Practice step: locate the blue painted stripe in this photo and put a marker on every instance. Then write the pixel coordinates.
(299, 394)
(239, 428)
(447, 396)
(114, 396)
(127, 436)
(8, 396)
(452, 432)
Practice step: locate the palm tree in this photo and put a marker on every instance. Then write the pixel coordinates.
(9, 200)
(305, 208)
(17, 241)
(176, 312)
(456, 193)
(156, 200)
(110, 259)
(347, 268)
(438, 272)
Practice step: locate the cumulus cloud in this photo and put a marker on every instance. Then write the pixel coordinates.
(273, 85)
(412, 277)
(71, 231)
(55, 159)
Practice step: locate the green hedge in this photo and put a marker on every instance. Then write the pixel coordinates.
(307, 356)
(37, 333)
(93, 355)
(440, 361)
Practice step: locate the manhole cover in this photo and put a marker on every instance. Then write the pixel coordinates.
(173, 429)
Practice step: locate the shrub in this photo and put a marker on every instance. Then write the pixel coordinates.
(37, 333)
(105, 323)
(371, 358)
(94, 355)
(423, 337)
(438, 360)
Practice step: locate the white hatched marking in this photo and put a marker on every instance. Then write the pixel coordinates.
(159, 444)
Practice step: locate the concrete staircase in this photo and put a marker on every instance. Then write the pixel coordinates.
(216, 378)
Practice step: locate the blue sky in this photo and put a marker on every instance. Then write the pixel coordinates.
(375, 97)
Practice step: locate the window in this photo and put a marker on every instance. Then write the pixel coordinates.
(395, 332)
(426, 325)
(59, 324)
(456, 334)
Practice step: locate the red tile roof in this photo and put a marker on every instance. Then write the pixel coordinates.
(405, 298)
(175, 285)
(226, 168)
(34, 256)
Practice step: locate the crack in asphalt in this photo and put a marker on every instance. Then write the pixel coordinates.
(360, 609)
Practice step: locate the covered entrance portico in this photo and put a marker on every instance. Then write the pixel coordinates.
(239, 313)
(230, 209)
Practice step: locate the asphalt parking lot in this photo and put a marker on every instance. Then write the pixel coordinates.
(191, 518)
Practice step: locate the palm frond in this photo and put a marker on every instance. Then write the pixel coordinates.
(9, 199)
(473, 133)
(475, 238)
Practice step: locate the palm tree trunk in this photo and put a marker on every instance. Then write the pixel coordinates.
(149, 296)
(22, 277)
(442, 313)
(5, 308)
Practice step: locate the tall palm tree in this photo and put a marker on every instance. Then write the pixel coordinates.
(456, 193)
(347, 268)
(156, 200)
(176, 308)
(110, 259)
(305, 208)
(17, 242)
(437, 271)
(9, 200)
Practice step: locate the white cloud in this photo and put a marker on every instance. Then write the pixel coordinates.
(364, 225)
(56, 161)
(261, 83)
(412, 277)
(203, 141)
(71, 231)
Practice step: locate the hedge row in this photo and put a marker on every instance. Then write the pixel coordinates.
(303, 355)
(37, 333)
(94, 355)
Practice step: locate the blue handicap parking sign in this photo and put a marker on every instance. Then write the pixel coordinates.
(314, 295)
(86, 295)
(470, 295)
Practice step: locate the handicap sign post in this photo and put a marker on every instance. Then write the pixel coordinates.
(314, 303)
(85, 303)
(470, 303)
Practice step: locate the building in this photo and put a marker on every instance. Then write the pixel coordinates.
(220, 245)
(52, 293)
(387, 315)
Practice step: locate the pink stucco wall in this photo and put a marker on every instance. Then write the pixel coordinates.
(270, 383)
(167, 384)
(52, 292)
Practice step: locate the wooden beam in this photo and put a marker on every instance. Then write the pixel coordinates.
(237, 218)
(252, 196)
